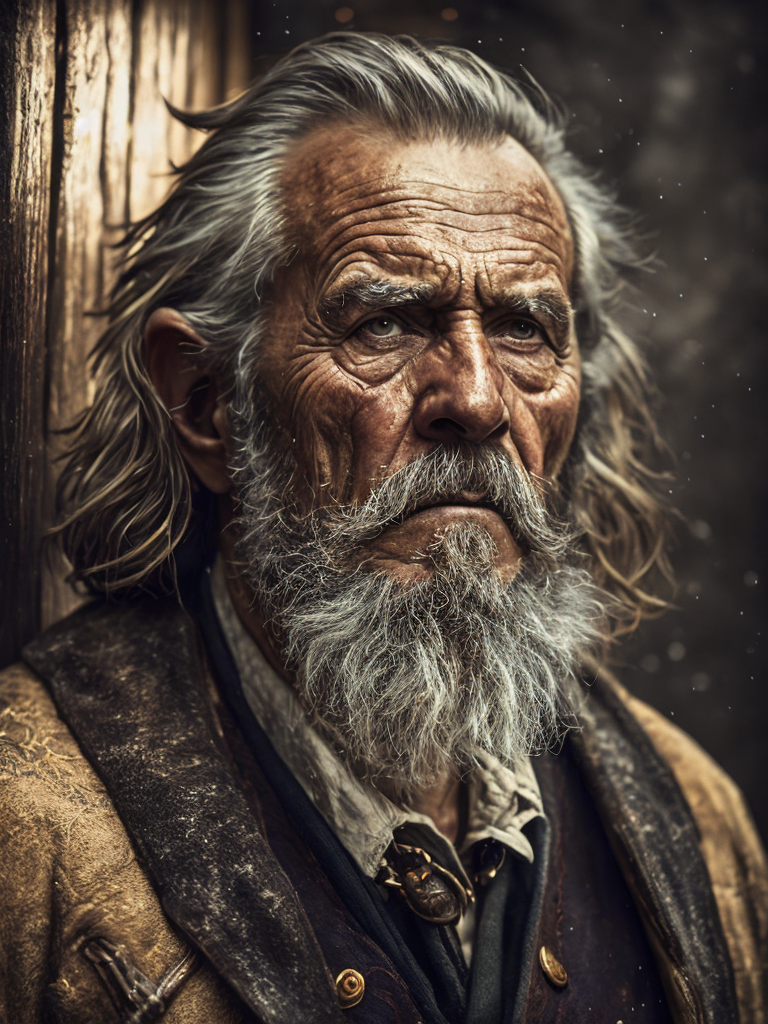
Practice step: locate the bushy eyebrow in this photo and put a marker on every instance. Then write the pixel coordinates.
(376, 295)
(549, 304)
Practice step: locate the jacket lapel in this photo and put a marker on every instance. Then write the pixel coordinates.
(656, 841)
(132, 685)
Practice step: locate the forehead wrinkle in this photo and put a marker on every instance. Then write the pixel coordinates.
(333, 262)
(466, 224)
(401, 193)
(530, 190)
(384, 202)
(437, 278)
(513, 256)
(560, 256)
(328, 171)
(378, 241)
(414, 207)
(412, 218)
(333, 227)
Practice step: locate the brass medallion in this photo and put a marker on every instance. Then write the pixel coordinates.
(430, 890)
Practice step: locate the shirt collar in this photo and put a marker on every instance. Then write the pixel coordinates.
(501, 800)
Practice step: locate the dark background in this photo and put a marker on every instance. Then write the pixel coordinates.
(667, 102)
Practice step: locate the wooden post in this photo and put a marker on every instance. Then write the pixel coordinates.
(84, 151)
(27, 77)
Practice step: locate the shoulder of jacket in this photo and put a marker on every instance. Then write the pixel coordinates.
(43, 773)
(68, 875)
(730, 845)
(709, 790)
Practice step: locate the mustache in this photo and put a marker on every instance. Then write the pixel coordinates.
(485, 477)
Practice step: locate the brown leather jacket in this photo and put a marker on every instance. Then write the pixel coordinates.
(79, 914)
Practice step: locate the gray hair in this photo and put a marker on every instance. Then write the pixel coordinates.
(211, 250)
(411, 683)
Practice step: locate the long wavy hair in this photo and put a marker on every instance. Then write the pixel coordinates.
(211, 250)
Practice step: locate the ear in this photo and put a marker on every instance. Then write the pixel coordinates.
(189, 393)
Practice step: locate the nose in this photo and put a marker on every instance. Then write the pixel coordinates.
(459, 394)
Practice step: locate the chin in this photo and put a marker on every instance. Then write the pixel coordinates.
(411, 683)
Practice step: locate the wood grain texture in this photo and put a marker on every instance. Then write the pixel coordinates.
(27, 77)
(176, 58)
(91, 215)
(82, 154)
(124, 59)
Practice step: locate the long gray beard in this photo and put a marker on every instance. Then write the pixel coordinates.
(410, 681)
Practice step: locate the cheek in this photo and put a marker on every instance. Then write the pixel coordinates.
(317, 407)
(556, 412)
(380, 430)
(531, 372)
(345, 434)
(544, 401)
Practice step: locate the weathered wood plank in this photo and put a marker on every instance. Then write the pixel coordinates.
(27, 80)
(161, 72)
(92, 195)
(117, 125)
(76, 165)
(123, 59)
(180, 53)
(236, 47)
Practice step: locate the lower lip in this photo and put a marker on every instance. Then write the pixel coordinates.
(443, 515)
(411, 539)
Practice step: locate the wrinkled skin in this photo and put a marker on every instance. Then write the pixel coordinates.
(428, 302)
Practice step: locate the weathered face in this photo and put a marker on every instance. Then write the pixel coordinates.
(428, 304)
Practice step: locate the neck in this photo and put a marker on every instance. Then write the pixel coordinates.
(440, 802)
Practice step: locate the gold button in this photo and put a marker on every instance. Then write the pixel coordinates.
(552, 968)
(350, 986)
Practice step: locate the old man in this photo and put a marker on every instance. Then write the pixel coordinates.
(362, 499)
